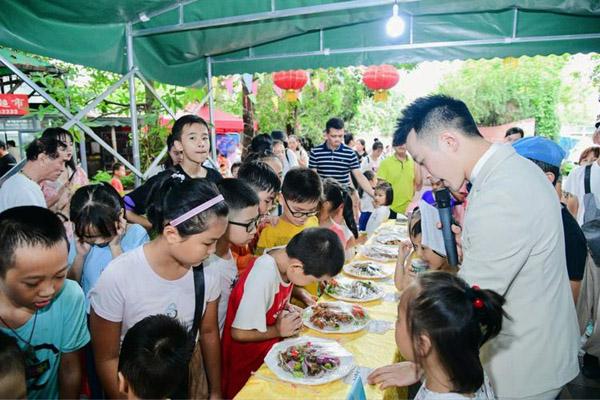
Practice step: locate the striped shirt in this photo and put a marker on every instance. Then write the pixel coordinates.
(336, 164)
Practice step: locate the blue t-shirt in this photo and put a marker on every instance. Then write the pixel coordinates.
(61, 327)
(99, 257)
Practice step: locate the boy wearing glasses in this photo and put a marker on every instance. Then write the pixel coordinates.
(243, 219)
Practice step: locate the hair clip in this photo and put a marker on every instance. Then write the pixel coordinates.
(478, 304)
(179, 176)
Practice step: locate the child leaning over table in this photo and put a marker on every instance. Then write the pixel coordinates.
(259, 313)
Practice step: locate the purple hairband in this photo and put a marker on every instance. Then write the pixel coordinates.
(197, 210)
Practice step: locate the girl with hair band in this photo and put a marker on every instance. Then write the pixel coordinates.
(442, 323)
(165, 276)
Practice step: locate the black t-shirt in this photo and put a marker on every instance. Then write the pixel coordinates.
(7, 161)
(139, 199)
(575, 246)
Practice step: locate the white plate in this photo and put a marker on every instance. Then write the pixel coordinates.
(385, 237)
(345, 296)
(350, 270)
(330, 347)
(380, 252)
(355, 326)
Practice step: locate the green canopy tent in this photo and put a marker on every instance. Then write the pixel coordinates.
(184, 42)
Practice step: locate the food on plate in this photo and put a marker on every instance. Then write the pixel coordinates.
(331, 316)
(365, 269)
(352, 289)
(381, 252)
(307, 360)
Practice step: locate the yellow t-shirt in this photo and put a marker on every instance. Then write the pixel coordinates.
(281, 233)
(401, 175)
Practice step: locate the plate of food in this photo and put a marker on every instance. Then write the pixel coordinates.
(380, 252)
(390, 238)
(396, 230)
(335, 317)
(309, 360)
(353, 290)
(367, 270)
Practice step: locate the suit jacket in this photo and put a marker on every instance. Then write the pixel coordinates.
(513, 243)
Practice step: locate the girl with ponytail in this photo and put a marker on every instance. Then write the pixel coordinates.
(442, 323)
(165, 276)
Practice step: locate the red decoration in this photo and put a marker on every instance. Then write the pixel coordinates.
(290, 81)
(381, 78)
(14, 104)
(475, 287)
(478, 303)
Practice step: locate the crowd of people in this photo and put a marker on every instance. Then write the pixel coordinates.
(180, 287)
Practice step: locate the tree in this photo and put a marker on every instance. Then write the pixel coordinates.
(500, 91)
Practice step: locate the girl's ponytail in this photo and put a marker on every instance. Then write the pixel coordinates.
(488, 311)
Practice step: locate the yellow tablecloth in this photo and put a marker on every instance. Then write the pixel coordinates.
(370, 350)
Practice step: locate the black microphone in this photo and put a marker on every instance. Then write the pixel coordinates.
(442, 199)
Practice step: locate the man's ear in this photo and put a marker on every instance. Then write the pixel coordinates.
(551, 177)
(123, 385)
(448, 140)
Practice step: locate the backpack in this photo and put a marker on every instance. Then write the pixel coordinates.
(591, 218)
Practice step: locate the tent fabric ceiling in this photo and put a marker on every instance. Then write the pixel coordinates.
(93, 33)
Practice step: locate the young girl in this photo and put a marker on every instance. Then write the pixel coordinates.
(159, 278)
(442, 322)
(405, 272)
(332, 206)
(384, 195)
(347, 220)
(366, 201)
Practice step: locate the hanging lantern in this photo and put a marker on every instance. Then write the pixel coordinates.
(290, 81)
(381, 78)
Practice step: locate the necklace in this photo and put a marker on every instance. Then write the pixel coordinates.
(30, 358)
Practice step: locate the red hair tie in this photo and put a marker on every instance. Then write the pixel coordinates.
(477, 303)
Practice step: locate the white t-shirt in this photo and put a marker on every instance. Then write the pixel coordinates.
(19, 190)
(260, 288)
(485, 392)
(379, 216)
(574, 185)
(224, 271)
(366, 203)
(368, 164)
(129, 290)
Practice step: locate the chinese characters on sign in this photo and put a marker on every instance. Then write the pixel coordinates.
(14, 104)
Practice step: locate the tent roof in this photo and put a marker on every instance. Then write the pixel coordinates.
(283, 34)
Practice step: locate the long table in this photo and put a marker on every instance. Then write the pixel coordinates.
(370, 350)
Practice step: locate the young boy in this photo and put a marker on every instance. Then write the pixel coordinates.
(12, 369)
(118, 171)
(42, 310)
(300, 196)
(191, 136)
(153, 355)
(243, 220)
(259, 313)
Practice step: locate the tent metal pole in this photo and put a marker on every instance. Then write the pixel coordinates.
(155, 94)
(135, 141)
(178, 4)
(211, 106)
(268, 15)
(67, 114)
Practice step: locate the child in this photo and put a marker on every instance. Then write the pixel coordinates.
(102, 233)
(259, 313)
(243, 217)
(442, 322)
(191, 135)
(153, 355)
(332, 206)
(405, 273)
(159, 278)
(366, 201)
(384, 196)
(235, 168)
(118, 171)
(41, 309)
(12, 369)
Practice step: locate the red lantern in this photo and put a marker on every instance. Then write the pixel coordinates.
(380, 78)
(291, 82)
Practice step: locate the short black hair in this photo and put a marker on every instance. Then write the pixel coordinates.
(11, 143)
(279, 135)
(361, 141)
(369, 174)
(302, 185)
(442, 308)
(548, 168)
(377, 145)
(48, 146)
(170, 141)
(116, 166)
(320, 251)
(348, 137)
(175, 197)
(99, 206)
(333, 192)
(12, 360)
(61, 135)
(2, 145)
(154, 356)
(260, 176)
(238, 194)
(261, 143)
(515, 130)
(335, 123)
(27, 226)
(430, 115)
(186, 120)
(387, 189)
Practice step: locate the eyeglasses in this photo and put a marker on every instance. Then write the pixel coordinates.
(300, 214)
(250, 226)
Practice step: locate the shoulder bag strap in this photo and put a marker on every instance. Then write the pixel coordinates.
(199, 292)
(586, 179)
